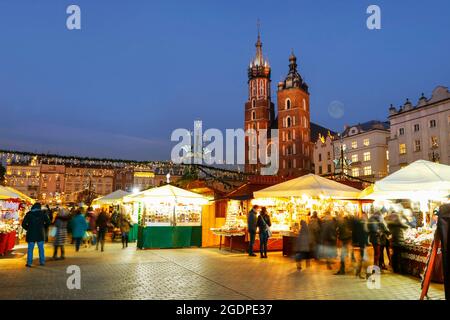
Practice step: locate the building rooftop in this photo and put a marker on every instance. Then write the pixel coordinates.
(365, 127)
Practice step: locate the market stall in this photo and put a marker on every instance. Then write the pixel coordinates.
(415, 191)
(13, 204)
(168, 216)
(114, 202)
(292, 201)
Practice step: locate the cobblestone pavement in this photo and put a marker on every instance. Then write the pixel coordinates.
(190, 274)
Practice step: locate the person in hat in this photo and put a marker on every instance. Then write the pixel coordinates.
(34, 223)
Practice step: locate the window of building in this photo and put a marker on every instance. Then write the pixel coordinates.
(295, 163)
(368, 171)
(401, 131)
(288, 136)
(320, 169)
(402, 148)
(354, 157)
(288, 122)
(328, 155)
(294, 152)
(387, 168)
(288, 104)
(355, 172)
(417, 145)
(432, 123)
(329, 168)
(253, 115)
(366, 156)
(434, 142)
(416, 127)
(253, 103)
(387, 154)
(305, 122)
(354, 144)
(320, 157)
(366, 142)
(304, 104)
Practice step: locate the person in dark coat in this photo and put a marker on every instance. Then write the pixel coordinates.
(443, 226)
(251, 228)
(360, 239)
(34, 223)
(328, 237)
(344, 234)
(377, 227)
(61, 222)
(102, 229)
(385, 244)
(303, 245)
(396, 226)
(264, 225)
(314, 234)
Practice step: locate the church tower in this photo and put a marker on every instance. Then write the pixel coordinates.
(295, 148)
(259, 108)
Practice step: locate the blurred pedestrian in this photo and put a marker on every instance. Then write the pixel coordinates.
(360, 238)
(61, 222)
(125, 226)
(35, 223)
(377, 227)
(396, 226)
(79, 227)
(344, 235)
(328, 238)
(102, 229)
(384, 245)
(314, 234)
(303, 245)
(251, 228)
(264, 225)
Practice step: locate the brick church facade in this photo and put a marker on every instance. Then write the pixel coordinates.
(295, 131)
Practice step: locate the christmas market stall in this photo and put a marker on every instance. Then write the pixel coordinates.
(415, 192)
(237, 203)
(13, 204)
(292, 201)
(113, 202)
(168, 217)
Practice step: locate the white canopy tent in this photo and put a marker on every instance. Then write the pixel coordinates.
(418, 181)
(169, 193)
(310, 185)
(110, 199)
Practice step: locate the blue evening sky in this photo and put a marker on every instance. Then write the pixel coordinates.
(139, 69)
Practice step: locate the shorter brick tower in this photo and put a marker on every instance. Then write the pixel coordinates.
(295, 148)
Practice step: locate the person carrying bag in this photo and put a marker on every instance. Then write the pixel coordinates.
(265, 233)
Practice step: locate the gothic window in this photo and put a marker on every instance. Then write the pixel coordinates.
(253, 115)
(304, 104)
(253, 88)
(261, 88)
(253, 103)
(288, 104)
(288, 122)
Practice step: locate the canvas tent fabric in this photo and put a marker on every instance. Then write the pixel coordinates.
(168, 193)
(422, 179)
(10, 193)
(310, 185)
(111, 198)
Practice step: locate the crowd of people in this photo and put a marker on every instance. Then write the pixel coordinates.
(86, 227)
(320, 237)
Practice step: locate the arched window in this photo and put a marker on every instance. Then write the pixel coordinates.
(304, 104)
(288, 104)
(253, 115)
(261, 88)
(253, 103)
(253, 88)
(288, 122)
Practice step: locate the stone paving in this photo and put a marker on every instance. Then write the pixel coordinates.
(191, 274)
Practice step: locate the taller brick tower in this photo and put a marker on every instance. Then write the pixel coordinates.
(259, 109)
(295, 151)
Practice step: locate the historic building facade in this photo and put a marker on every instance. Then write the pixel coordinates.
(295, 149)
(421, 131)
